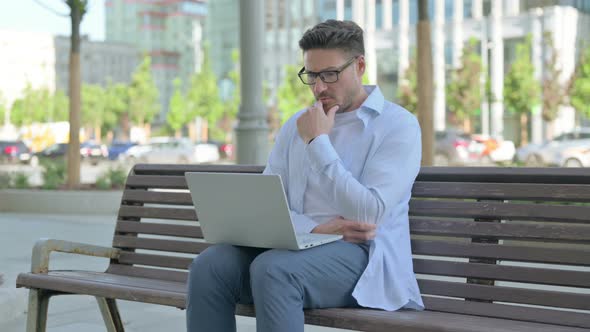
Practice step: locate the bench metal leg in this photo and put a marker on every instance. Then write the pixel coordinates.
(110, 314)
(37, 314)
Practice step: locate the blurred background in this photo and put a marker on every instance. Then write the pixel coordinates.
(160, 78)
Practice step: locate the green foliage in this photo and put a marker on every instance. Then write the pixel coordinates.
(293, 95)
(232, 105)
(114, 178)
(464, 91)
(93, 105)
(554, 93)
(21, 180)
(116, 104)
(53, 174)
(5, 180)
(407, 93)
(2, 109)
(143, 94)
(38, 105)
(580, 86)
(203, 94)
(521, 89)
(177, 115)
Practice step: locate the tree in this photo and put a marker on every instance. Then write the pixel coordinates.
(203, 94)
(77, 11)
(293, 95)
(93, 108)
(554, 93)
(521, 89)
(144, 104)
(116, 107)
(407, 93)
(3, 110)
(231, 106)
(425, 85)
(177, 115)
(580, 85)
(59, 106)
(464, 91)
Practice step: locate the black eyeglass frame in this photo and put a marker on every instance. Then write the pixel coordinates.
(320, 74)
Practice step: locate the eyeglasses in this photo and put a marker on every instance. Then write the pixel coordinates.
(327, 76)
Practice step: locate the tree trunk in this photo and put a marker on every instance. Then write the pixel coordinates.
(125, 128)
(425, 84)
(97, 134)
(467, 125)
(73, 154)
(524, 130)
(147, 129)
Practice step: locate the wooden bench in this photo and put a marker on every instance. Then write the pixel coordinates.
(496, 249)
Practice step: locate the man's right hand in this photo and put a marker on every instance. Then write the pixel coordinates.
(352, 231)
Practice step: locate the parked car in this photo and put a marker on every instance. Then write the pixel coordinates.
(550, 153)
(173, 150)
(14, 151)
(89, 151)
(455, 148)
(226, 150)
(575, 157)
(493, 150)
(117, 149)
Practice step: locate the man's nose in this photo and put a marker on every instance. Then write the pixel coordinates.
(319, 86)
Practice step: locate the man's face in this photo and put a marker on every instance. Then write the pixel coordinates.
(343, 91)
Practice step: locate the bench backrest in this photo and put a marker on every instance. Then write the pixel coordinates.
(499, 242)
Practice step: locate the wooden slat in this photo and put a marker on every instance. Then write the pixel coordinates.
(528, 231)
(156, 181)
(134, 242)
(505, 294)
(503, 272)
(135, 271)
(157, 213)
(124, 226)
(503, 191)
(502, 252)
(508, 311)
(172, 169)
(505, 175)
(512, 211)
(132, 258)
(157, 197)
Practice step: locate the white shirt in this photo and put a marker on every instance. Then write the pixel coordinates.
(363, 170)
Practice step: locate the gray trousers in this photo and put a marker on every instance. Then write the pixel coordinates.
(280, 283)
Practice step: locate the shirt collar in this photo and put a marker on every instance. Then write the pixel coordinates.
(373, 105)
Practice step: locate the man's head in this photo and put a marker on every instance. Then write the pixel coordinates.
(334, 63)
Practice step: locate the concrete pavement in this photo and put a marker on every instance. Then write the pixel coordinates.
(19, 231)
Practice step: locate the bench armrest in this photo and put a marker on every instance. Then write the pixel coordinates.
(44, 247)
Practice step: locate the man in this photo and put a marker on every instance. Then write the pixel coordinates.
(348, 163)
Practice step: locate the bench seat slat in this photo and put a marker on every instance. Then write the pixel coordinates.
(503, 191)
(134, 242)
(550, 316)
(505, 294)
(531, 231)
(181, 263)
(503, 272)
(502, 251)
(156, 181)
(146, 272)
(157, 213)
(157, 197)
(510, 211)
(179, 170)
(125, 226)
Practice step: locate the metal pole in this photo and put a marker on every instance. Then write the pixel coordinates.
(252, 128)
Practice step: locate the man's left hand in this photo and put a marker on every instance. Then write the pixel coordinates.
(315, 122)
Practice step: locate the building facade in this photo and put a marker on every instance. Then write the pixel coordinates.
(169, 31)
(100, 62)
(390, 26)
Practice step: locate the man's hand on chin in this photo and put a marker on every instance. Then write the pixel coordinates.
(315, 121)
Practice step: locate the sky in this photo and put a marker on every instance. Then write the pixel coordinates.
(29, 15)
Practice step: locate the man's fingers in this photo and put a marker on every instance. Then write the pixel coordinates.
(362, 227)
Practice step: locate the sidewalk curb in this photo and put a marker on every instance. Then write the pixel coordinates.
(60, 201)
(13, 303)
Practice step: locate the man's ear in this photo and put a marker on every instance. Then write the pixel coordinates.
(362, 65)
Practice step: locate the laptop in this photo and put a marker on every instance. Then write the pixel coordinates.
(247, 210)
